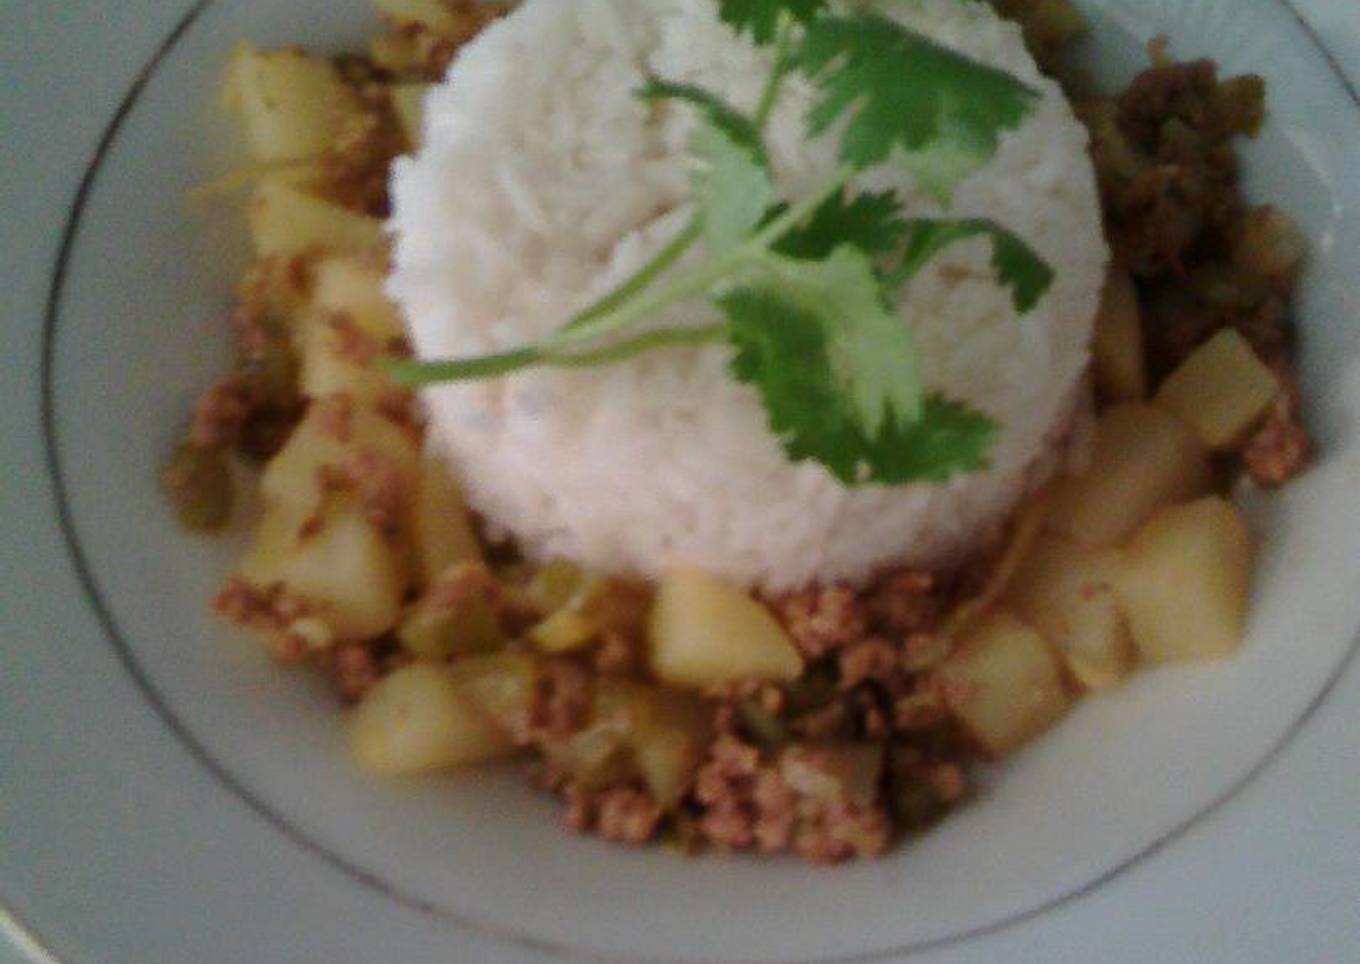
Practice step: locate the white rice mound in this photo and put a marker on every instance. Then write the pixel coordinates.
(544, 181)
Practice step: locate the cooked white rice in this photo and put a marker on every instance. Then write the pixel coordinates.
(544, 181)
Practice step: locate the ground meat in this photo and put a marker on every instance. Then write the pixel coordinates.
(222, 411)
(871, 658)
(618, 652)
(356, 668)
(351, 342)
(822, 618)
(746, 803)
(904, 601)
(627, 815)
(1278, 452)
(563, 695)
(274, 613)
(334, 416)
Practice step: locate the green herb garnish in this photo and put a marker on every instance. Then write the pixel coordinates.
(804, 286)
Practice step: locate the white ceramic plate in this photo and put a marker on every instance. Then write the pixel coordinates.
(167, 794)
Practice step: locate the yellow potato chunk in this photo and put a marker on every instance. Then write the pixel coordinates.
(1183, 582)
(337, 358)
(395, 52)
(501, 684)
(418, 720)
(292, 105)
(1062, 589)
(353, 286)
(341, 564)
(436, 16)
(408, 100)
(287, 219)
(291, 477)
(703, 631)
(442, 528)
(1004, 684)
(661, 735)
(1222, 390)
(1117, 347)
(438, 632)
(1144, 458)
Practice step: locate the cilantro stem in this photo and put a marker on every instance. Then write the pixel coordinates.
(621, 351)
(414, 374)
(799, 212)
(645, 275)
(417, 373)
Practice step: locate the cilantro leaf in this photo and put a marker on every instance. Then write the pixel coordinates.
(1017, 265)
(761, 17)
(938, 112)
(785, 351)
(870, 348)
(734, 184)
(871, 222)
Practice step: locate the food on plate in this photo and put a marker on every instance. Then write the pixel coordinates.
(748, 415)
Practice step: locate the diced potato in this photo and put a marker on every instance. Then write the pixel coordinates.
(436, 16)
(1062, 589)
(564, 631)
(436, 632)
(442, 528)
(409, 102)
(1004, 683)
(292, 105)
(667, 732)
(290, 478)
(501, 684)
(703, 631)
(1222, 390)
(1143, 458)
(1184, 580)
(579, 605)
(287, 219)
(354, 287)
(1117, 346)
(329, 367)
(395, 52)
(418, 720)
(343, 565)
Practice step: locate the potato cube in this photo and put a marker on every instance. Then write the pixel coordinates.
(1004, 684)
(502, 685)
(418, 720)
(1144, 458)
(291, 477)
(287, 219)
(1062, 589)
(1183, 582)
(666, 731)
(340, 563)
(437, 632)
(436, 16)
(1117, 346)
(408, 100)
(396, 52)
(353, 286)
(703, 631)
(292, 105)
(337, 357)
(442, 528)
(1222, 390)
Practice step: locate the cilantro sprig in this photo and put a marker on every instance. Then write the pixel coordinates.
(804, 288)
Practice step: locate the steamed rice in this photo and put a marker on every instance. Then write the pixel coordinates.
(544, 181)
